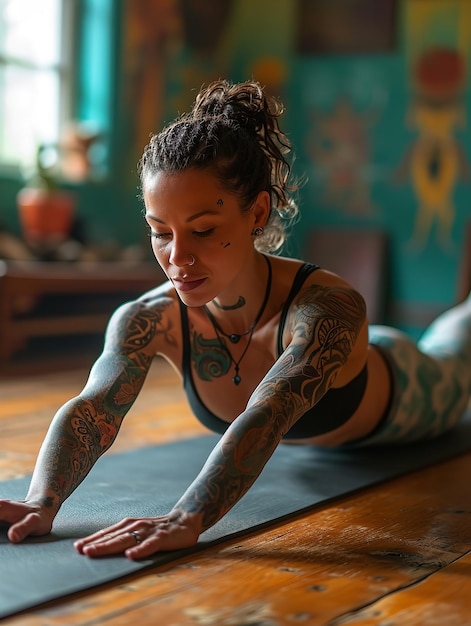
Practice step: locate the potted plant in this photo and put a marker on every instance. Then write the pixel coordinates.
(46, 212)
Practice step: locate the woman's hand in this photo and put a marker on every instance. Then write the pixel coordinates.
(25, 518)
(138, 538)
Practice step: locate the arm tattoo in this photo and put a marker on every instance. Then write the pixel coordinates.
(231, 469)
(86, 426)
(325, 327)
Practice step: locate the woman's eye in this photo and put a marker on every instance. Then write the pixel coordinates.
(159, 235)
(196, 233)
(204, 233)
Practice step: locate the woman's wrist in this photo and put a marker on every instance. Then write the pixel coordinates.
(190, 520)
(50, 504)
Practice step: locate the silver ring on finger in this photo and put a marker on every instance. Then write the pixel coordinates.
(135, 535)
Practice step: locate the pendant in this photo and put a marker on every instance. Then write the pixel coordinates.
(236, 380)
(234, 338)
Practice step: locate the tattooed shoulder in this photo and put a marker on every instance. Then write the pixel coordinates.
(141, 325)
(337, 302)
(326, 323)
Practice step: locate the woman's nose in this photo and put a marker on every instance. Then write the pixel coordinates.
(180, 256)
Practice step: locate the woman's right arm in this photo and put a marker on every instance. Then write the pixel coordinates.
(86, 426)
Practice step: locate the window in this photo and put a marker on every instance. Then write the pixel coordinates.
(35, 61)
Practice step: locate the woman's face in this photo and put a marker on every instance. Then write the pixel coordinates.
(191, 216)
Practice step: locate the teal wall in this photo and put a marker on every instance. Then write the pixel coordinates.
(337, 104)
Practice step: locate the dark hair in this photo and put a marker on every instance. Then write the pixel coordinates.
(233, 130)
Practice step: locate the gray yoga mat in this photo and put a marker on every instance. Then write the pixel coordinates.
(148, 481)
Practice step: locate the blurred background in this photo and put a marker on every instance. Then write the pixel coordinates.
(377, 97)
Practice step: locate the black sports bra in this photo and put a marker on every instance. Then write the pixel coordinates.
(333, 409)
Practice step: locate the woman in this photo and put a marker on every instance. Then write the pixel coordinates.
(270, 349)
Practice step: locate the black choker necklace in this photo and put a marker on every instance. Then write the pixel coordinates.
(234, 337)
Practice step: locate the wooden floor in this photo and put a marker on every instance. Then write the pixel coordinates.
(393, 555)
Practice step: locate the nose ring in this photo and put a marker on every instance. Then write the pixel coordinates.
(192, 260)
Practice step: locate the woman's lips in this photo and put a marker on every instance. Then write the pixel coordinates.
(187, 285)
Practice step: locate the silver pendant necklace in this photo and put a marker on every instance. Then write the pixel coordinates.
(235, 337)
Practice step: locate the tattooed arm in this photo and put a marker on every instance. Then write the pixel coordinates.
(326, 325)
(86, 426)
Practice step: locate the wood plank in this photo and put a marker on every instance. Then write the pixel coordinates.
(386, 555)
(438, 600)
(52, 277)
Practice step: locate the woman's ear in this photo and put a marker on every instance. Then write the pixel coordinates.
(261, 209)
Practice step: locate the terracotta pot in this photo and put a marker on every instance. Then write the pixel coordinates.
(45, 216)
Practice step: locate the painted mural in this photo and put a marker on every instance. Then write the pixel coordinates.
(340, 149)
(344, 111)
(350, 105)
(438, 38)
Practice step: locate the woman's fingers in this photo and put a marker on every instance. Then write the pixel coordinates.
(28, 525)
(24, 519)
(137, 538)
(103, 535)
(108, 545)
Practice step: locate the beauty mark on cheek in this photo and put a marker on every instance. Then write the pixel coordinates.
(220, 202)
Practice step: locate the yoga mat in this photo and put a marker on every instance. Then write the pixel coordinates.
(148, 481)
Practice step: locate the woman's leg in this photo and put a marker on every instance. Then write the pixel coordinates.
(431, 379)
(449, 336)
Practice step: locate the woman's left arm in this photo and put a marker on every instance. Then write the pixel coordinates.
(326, 323)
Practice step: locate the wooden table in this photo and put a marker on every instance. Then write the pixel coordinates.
(393, 555)
(25, 284)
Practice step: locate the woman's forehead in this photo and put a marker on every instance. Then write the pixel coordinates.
(194, 188)
(190, 179)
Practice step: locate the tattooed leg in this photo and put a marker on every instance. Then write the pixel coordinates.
(431, 380)
(449, 336)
